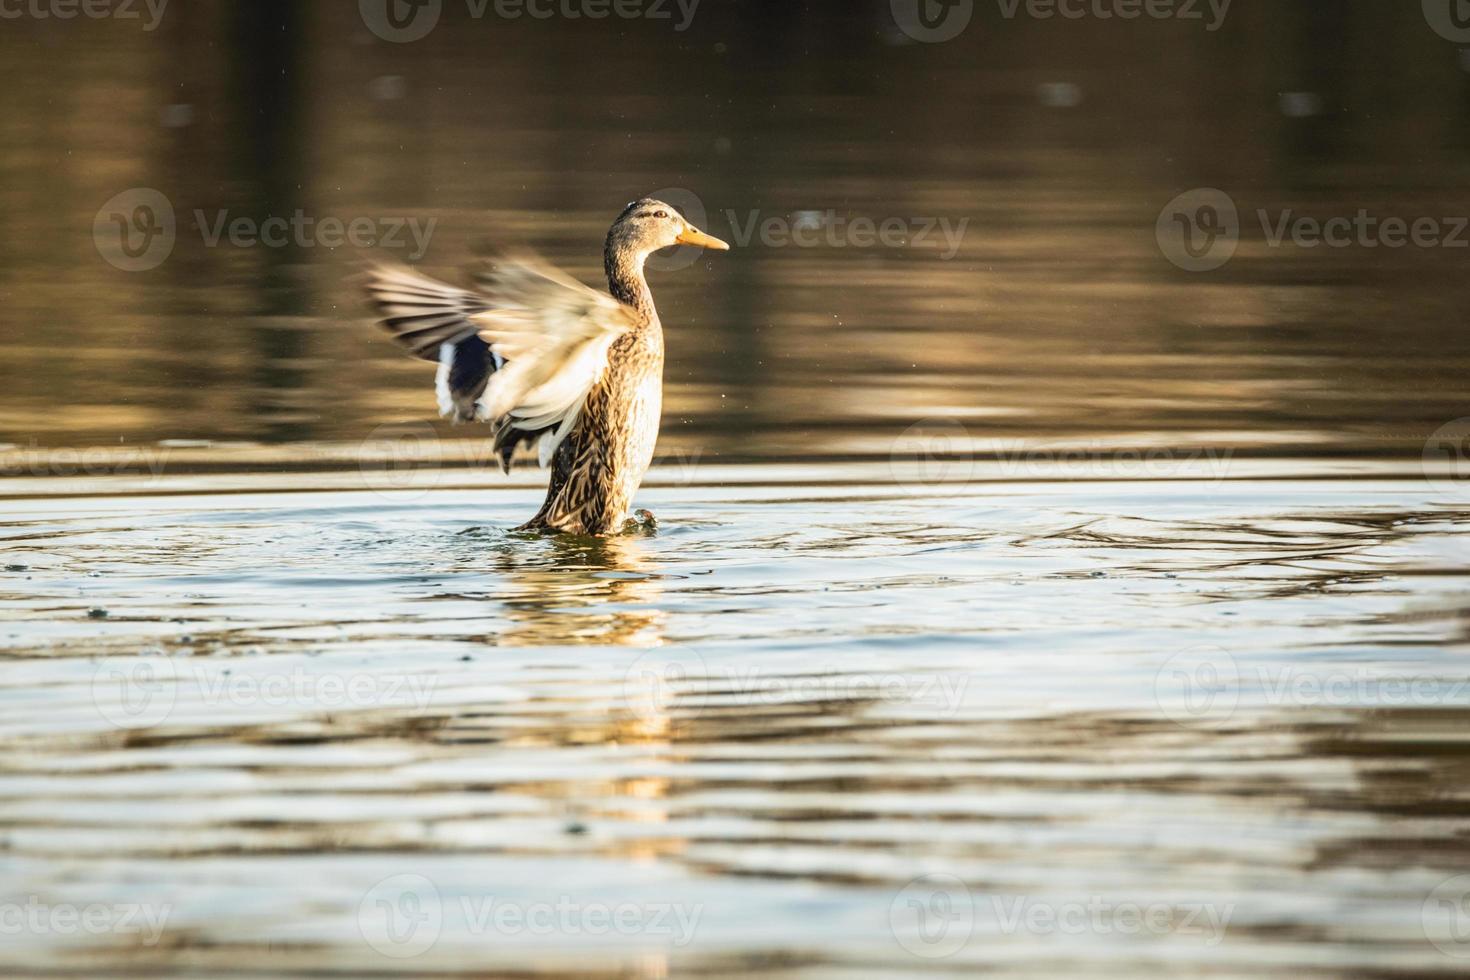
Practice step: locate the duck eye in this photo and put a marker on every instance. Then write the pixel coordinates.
(660, 214)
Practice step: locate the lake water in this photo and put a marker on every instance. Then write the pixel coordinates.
(1021, 602)
(851, 729)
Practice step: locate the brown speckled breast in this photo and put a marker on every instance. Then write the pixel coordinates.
(599, 467)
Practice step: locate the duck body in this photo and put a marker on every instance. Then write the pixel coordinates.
(576, 373)
(597, 470)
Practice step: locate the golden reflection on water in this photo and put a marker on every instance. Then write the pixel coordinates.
(579, 591)
(576, 728)
(570, 725)
(1058, 318)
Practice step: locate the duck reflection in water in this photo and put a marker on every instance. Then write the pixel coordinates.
(574, 589)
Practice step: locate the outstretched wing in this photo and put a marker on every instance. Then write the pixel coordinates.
(432, 320)
(551, 335)
(522, 350)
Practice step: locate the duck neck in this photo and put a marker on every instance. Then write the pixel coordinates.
(625, 279)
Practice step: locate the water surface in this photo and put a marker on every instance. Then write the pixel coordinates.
(850, 730)
(1031, 605)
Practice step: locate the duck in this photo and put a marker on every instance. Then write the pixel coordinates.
(551, 363)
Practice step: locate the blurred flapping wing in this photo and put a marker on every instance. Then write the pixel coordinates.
(551, 335)
(422, 313)
(522, 350)
(432, 319)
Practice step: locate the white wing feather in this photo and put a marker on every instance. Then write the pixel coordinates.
(552, 335)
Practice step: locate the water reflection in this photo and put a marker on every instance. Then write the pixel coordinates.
(778, 713)
(1058, 319)
(573, 590)
(790, 703)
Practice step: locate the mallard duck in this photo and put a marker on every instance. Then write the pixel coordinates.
(553, 364)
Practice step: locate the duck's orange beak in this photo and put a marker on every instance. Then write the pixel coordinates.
(693, 236)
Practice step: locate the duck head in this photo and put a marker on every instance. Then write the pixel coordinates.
(647, 225)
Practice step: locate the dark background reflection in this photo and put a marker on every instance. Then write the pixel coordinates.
(1058, 141)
